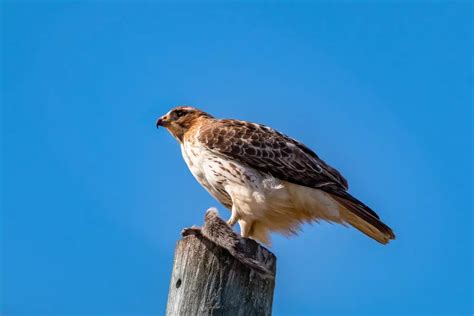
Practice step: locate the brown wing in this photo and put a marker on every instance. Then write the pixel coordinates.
(269, 151)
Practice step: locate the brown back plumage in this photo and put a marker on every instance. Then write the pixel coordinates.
(270, 152)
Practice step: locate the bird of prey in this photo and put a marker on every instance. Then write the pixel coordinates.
(269, 181)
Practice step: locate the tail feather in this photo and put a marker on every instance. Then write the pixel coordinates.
(361, 216)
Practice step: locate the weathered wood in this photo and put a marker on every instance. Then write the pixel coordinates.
(208, 280)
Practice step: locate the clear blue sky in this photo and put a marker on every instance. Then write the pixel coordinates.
(94, 197)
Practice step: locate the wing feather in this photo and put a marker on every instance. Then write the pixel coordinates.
(269, 151)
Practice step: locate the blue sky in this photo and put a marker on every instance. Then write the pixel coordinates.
(94, 197)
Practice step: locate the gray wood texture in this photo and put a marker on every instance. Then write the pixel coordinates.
(208, 280)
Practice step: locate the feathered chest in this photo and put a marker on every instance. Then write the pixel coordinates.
(212, 171)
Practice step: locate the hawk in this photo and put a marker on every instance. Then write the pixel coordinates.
(270, 182)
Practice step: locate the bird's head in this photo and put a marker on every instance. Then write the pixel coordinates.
(179, 119)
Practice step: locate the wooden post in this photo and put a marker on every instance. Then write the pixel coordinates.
(208, 280)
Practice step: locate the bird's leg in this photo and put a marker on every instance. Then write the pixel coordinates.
(233, 217)
(245, 228)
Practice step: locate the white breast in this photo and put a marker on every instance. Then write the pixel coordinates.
(205, 167)
(229, 181)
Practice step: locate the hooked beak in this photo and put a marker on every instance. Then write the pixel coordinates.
(163, 121)
(159, 122)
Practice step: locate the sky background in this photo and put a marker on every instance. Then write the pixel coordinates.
(94, 196)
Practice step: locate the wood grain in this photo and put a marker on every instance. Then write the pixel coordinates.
(208, 280)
